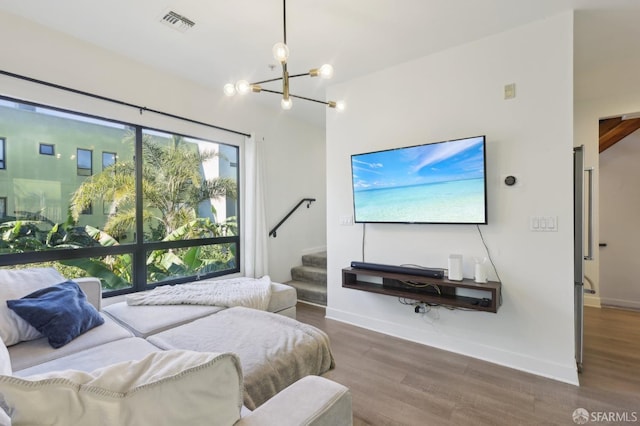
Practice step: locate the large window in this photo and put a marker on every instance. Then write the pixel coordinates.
(169, 201)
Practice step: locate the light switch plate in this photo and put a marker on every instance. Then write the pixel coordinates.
(543, 223)
(510, 91)
(346, 220)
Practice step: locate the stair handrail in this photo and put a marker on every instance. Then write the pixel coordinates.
(275, 228)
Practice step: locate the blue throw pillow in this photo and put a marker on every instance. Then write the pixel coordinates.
(60, 312)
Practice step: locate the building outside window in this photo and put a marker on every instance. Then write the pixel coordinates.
(106, 207)
(186, 195)
(3, 164)
(3, 207)
(88, 209)
(84, 162)
(108, 159)
(47, 149)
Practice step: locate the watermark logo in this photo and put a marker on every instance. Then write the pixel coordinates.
(580, 416)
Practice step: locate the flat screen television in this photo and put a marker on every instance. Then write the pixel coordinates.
(443, 182)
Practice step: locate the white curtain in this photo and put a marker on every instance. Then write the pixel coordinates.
(256, 260)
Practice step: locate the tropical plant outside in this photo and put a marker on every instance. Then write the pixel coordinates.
(172, 188)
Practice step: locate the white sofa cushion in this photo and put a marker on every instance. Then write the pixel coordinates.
(145, 320)
(164, 388)
(129, 349)
(17, 283)
(282, 297)
(35, 352)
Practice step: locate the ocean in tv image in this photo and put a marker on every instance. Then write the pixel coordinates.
(434, 183)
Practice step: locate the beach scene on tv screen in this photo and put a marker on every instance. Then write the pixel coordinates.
(434, 183)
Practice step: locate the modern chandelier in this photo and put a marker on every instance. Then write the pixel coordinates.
(281, 54)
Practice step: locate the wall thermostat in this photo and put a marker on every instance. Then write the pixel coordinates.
(510, 180)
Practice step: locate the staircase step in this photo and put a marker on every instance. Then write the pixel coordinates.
(310, 274)
(310, 292)
(319, 260)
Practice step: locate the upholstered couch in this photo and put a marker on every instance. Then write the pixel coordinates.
(113, 374)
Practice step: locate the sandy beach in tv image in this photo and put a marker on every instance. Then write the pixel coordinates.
(434, 183)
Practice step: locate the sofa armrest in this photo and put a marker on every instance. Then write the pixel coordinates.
(92, 288)
(312, 400)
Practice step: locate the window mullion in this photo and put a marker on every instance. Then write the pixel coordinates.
(139, 256)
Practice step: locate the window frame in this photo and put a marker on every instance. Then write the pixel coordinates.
(137, 248)
(115, 158)
(49, 145)
(3, 153)
(78, 168)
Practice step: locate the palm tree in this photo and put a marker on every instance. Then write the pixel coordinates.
(172, 187)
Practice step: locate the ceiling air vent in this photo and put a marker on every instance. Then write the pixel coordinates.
(177, 21)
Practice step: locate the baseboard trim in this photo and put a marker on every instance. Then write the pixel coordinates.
(592, 301)
(306, 302)
(518, 361)
(620, 303)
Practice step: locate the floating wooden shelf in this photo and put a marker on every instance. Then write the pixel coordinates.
(440, 291)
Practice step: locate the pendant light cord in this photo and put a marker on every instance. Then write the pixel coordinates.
(284, 19)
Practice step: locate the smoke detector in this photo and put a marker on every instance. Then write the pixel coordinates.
(176, 21)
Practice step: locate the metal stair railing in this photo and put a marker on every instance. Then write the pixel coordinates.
(273, 232)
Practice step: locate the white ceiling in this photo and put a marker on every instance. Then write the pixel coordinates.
(232, 39)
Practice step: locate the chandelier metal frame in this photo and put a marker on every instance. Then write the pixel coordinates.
(281, 54)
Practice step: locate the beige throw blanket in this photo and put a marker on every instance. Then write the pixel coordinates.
(249, 292)
(274, 350)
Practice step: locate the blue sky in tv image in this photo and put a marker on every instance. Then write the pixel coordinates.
(434, 183)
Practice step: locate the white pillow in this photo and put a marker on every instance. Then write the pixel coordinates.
(166, 388)
(4, 419)
(5, 369)
(15, 284)
(5, 360)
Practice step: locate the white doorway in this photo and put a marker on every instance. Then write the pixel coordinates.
(619, 206)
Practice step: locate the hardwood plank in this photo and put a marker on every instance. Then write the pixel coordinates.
(612, 350)
(396, 382)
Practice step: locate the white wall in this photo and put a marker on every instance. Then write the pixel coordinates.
(295, 164)
(619, 226)
(453, 94)
(293, 148)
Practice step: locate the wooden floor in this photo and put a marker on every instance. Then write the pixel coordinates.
(396, 382)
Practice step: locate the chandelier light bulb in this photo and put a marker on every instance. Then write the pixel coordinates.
(243, 87)
(286, 104)
(326, 71)
(229, 89)
(280, 52)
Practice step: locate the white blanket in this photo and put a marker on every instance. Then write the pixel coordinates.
(248, 292)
